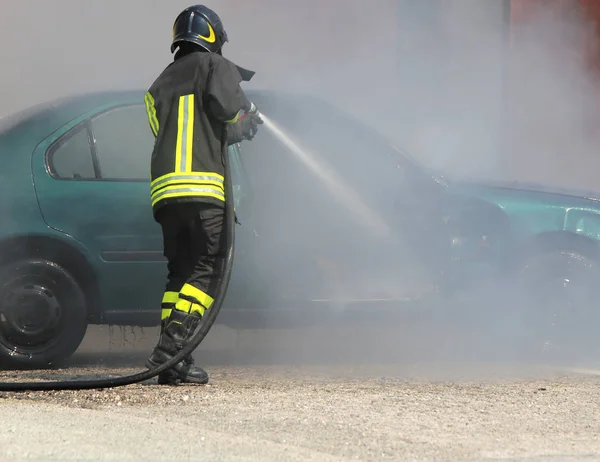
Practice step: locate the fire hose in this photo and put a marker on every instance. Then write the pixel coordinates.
(199, 335)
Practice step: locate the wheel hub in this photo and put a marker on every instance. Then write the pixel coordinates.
(29, 313)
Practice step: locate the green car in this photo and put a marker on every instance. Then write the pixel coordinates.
(79, 245)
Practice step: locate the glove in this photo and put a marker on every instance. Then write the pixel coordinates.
(250, 123)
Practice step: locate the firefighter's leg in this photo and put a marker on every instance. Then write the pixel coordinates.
(176, 331)
(176, 326)
(176, 245)
(196, 294)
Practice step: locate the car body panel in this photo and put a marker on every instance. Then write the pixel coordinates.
(522, 218)
(536, 212)
(18, 204)
(111, 218)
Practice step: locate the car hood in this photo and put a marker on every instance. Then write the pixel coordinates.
(525, 187)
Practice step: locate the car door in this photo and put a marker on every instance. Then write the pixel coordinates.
(96, 189)
(94, 184)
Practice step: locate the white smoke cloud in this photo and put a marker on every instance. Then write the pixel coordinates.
(440, 82)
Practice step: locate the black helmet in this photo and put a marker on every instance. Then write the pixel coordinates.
(199, 25)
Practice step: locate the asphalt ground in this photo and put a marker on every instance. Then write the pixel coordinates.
(428, 391)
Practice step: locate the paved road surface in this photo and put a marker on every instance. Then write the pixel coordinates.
(267, 403)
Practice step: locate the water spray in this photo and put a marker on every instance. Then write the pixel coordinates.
(345, 194)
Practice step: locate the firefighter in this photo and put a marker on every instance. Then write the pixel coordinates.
(196, 109)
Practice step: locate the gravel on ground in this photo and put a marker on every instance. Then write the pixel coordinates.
(370, 413)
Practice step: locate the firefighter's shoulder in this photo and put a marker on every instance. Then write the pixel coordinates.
(220, 64)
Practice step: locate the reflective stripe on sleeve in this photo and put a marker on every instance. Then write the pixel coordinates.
(151, 111)
(236, 118)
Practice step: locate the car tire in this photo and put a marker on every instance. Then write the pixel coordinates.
(556, 302)
(43, 314)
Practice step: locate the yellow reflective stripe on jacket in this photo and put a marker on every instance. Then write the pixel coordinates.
(165, 313)
(151, 111)
(195, 178)
(185, 134)
(169, 176)
(195, 184)
(196, 295)
(181, 191)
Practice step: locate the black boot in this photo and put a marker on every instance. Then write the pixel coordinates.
(175, 332)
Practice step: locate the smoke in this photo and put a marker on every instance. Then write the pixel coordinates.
(554, 100)
(436, 78)
(348, 196)
(448, 86)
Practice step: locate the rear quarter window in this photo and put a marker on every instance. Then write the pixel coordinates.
(71, 156)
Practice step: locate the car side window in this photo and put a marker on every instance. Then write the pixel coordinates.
(124, 143)
(71, 158)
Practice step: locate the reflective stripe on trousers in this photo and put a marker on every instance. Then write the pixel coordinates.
(189, 299)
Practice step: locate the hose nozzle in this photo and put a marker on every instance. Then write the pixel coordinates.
(253, 109)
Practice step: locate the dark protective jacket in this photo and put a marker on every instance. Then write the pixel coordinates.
(193, 108)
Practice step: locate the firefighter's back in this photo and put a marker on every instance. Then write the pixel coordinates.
(186, 161)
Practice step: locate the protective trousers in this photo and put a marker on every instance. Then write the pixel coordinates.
(194, 247)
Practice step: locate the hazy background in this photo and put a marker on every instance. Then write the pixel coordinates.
(431, 73)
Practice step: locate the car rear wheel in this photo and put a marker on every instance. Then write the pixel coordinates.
(43, 316)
